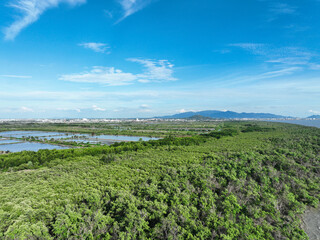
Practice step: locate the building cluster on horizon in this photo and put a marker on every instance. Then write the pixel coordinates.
(118, 120)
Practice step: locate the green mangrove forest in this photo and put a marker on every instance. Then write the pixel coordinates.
(227, 180)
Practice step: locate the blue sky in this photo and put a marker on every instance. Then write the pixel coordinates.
(144, 58)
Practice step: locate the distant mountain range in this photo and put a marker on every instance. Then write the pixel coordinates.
(315, 116)
(223, 115)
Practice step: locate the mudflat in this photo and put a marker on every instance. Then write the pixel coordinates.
(311, 223)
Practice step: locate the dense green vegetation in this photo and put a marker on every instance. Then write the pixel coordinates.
(243, 181)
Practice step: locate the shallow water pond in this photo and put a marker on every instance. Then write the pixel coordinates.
(28, 146)
(14, 145)
(20, 134)
(7, 141)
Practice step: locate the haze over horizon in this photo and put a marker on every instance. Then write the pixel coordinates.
(146, 58)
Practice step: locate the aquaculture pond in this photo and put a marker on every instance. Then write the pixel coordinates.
(16, 141)
(7, 141)
(20, 134)
(28, 146)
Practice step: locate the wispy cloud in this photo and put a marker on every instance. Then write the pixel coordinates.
(314, 112)
(76, 96)
(103, 75)
(96, 108)
(222, 51)
(189, 98)
(15, 76)
(254, 48)
(144, 108)
(69, 109)
(184, 111)
(155, 71)
(279, 9)
(299, 60)
(274, 73)
(97, 47)
(315, 66)
(132, 6)
(30, 11)
(279, 73)
(283, 8)
(289, 56)
(26, 109)
(108, 13)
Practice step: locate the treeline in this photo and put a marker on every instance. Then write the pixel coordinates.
(30, 159)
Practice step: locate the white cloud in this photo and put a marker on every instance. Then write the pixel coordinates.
(144, 108)
(69, 109)
(158, 71)
(97, 47)
(15, 76)
(132, 6)
(315, 66)
(102, 75)
(184, 111)
(277, 10)
(291, 55)
(155, 71)
(144, 81)
(282, 8)
(76, 96)
(314, 112)
(26, 109)
(290, 60)
(30, 11)
(108, 13)
(96, 108)
(287, 56)
(252, 78)
(279, 73)
(248, 46)
(254, 48)
(286, 91)
(222, 51)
